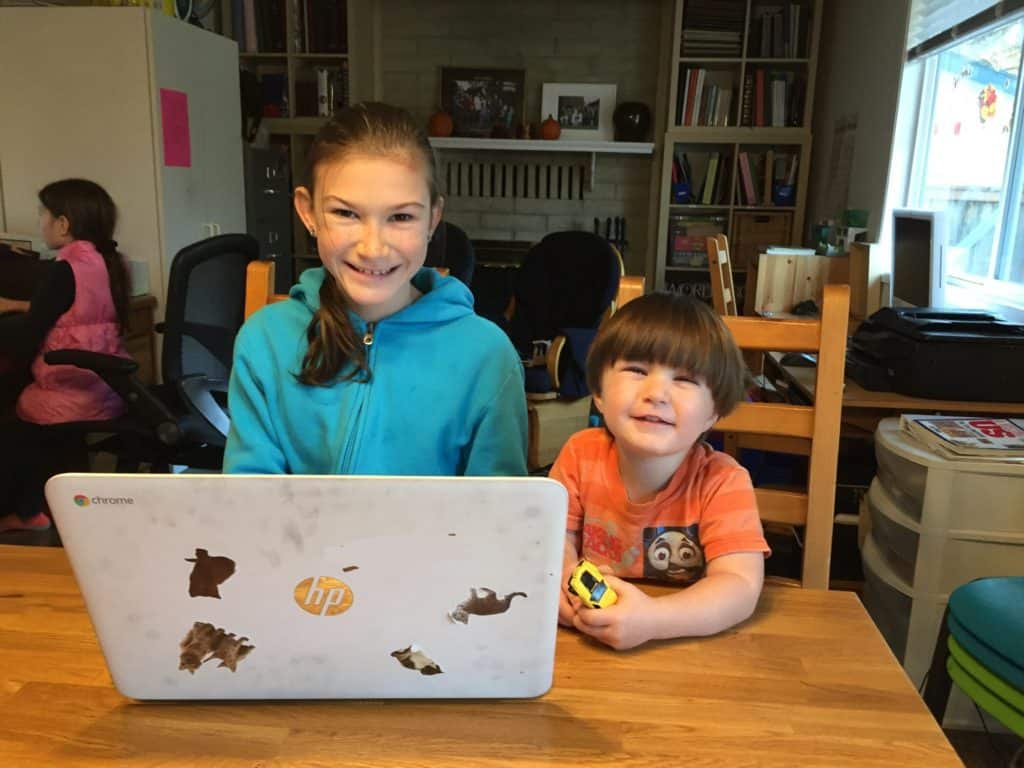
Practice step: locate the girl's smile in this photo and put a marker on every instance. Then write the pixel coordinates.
(373, 218)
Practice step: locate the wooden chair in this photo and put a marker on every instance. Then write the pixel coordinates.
(723, 293)
(788, 427)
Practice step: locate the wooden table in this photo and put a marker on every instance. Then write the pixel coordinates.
(807, 682)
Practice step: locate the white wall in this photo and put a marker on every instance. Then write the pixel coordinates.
(594, 41)
(76, 104)
(860, 63)
(211, 190)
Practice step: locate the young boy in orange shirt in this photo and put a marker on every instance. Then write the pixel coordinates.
(647, 497)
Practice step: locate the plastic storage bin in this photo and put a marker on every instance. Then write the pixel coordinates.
(934, 524)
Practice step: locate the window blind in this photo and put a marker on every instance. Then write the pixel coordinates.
(934, 23)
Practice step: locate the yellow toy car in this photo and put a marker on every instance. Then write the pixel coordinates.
(587, 583)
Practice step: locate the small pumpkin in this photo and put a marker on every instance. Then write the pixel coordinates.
(550, 129)
(440, 124)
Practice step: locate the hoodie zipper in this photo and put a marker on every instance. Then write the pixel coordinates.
(357, 426)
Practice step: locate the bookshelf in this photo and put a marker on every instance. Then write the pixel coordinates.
(308, 62)
(736, 143)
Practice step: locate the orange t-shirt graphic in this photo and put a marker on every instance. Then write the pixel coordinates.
(707, 510)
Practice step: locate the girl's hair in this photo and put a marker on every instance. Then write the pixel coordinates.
(92, 216)
(369, 128)
(677, 331)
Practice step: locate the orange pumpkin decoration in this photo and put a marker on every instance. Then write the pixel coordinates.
(550, 129)
(440, 124)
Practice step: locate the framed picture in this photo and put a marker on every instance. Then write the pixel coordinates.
(483, 102)
(583, 110)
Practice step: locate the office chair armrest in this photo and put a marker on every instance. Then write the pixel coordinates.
(552, 359)
(196, 392)
(93, 361)
(566, 362)
(119, 374)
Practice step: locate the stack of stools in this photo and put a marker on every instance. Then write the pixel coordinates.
(981, 649)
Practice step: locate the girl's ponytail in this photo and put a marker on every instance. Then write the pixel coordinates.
(117, 271)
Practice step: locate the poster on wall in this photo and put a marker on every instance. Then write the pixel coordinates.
(174, 121)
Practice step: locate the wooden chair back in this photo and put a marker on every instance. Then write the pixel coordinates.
(819, 423)
(723, 293)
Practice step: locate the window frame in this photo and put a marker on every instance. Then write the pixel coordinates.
(992, 292)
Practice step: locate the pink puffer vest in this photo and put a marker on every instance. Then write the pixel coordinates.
(61, 393)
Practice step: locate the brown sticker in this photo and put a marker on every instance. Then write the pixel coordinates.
(412, 657)
(205, 642)
(208, 573)
(482, 602)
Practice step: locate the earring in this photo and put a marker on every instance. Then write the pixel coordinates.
(312, 231)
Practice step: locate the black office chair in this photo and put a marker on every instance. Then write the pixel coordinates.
(565, 287)
(450, 247)
(183, 421)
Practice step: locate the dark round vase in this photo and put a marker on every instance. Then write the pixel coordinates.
(632, 120)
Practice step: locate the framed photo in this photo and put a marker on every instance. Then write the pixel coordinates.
(583, 110)
(483, 102)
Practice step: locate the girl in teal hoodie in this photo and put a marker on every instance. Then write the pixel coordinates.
(375, 365)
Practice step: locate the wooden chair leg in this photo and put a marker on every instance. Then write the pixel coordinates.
(939, 684)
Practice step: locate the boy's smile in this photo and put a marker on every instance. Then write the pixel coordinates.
(654, 410)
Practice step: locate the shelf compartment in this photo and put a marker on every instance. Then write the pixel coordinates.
(707, 96)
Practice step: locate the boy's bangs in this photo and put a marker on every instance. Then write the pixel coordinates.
(667, 343)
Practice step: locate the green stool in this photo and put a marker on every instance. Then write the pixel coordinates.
(983, 631)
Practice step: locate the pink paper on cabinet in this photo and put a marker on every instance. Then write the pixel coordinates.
(174, 118)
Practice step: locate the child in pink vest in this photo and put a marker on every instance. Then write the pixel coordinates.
(81, 303)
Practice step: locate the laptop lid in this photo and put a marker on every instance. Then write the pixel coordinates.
(293, 587)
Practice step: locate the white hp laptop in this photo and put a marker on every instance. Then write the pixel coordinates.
(294, 587)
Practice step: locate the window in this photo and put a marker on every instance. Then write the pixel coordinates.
(968, 162)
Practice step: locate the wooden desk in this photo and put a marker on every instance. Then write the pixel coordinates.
(807, 682)
(863, 408)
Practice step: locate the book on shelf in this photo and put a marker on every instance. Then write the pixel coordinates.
(700, 101)
(747, 189)
(259, 27)
(967, 437)
(759, 98)
(708, 191)
(331, 89)
(325, 26)
(772, 97)
(768, 177)
(746, 104)
(713, 28)
(779, 32)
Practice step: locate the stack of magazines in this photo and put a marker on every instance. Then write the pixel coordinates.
(967, 437)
